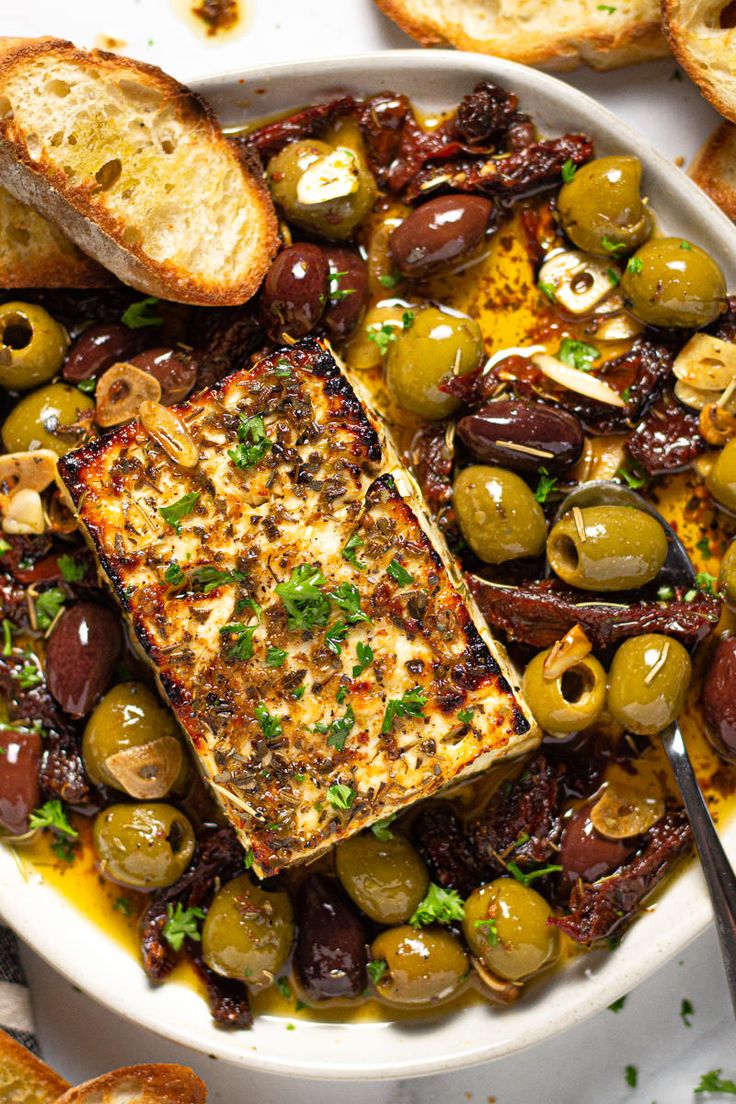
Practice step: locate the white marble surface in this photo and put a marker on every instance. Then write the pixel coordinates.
(587, 1064)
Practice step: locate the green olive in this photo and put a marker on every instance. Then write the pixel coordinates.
(143, 846)
(248, 932)
(601, 208)
(44, 419)
(721, 479)
(306, 171)
(727, 575)
(435, 346)
(386, 879)
(648, 683)
(607, 548)
(507, 926)
(570, 702)
(498, 514)
(130, 716)
(423, 965)
(32, 346)
(669, 282)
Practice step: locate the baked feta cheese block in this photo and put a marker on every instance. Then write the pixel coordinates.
(303, 617)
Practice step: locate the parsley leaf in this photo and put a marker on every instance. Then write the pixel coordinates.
(631, 1074)
(607, 8)
(305, 603)
(686, 1011)
(347, 597)
(181, 925)
(631, 477)
(406, 319)
(686, 246)
(614, 277)
(365, 657)
(350, 551)
(381, 829)
(712, 1083)
(409, 704)
(569, 169)
(141, 314)
(29, 675)
(611, 246)
(529, 876)
(465, 715)
(398, 573)
(210, 577)
(340, 729)
(665, 594)
(270, 726)
(336, 292)
(617, 1004)
(254, 442)
(389, 279)
(545, 486)
(242, 646)
(439, 906)
(71, 571)
(52, 815)
(65, 851)
(491, 928)
(577, 354)
(7, 637)
(634, 265)
(382, 336)
(376, 969)
(174, 575)
(335, 636)
(282, 984)
(183, 506)
(341, 796)
(706, 582)
(548, 290)
(248, 859)
(124, 905)
(275, 657)
(48, 605)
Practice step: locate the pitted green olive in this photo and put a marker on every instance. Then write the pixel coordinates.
(143, 846)
(648, 683)
(424, 966)
(607, 548)
(248, 932)
(721, 479)
(727, 575)
(601, 208)
(434, 346)
(498, 514)
(32, 346)
(507, 926)
(670, 282)
(570, 702)
(386, 879)
(328, 190)
(46, 419)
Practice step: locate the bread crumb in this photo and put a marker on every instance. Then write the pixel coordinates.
(680, 161)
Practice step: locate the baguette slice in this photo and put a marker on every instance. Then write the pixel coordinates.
(24, 1078)
(714, 168)
(159, 1084)
(704, 47)
(559, 34)
(135, 169)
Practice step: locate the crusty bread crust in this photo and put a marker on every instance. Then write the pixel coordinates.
(714, 168)
(159, 1084)
(704, 49)
(25, 1079)
(623, 39)
(88, 221)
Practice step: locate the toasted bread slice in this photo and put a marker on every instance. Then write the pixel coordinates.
(714, 168)
(704, 48)
(24, 1078)
(559, 34)
(135, 169)
(160, 1084)
(35, 253)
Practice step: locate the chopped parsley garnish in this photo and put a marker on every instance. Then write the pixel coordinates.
(398, 573)
(382, 336)
(174, 513)
(607, 8)
(409, 704)
(48, 605)
(305, 603)
(545, 486)
(526, 877)
(299, 693)
(87, 386)
(631, 1074)
(712, 1082)
(350, 551)
(406, 319)
(124, 905)
(347, 597)
(282, 984)
(142, 313)
(686, 1011)
(376, 969)
(210, 577)
(706, 582)
(465, 715)
(365, 657)
(7, 637)
(4, 546)
(336, 292)
(612, 247)
(64, 850)
(51, 815)
(631, 477)
(439, 906)
(335, 636)
(71, 571)
(704, 548)
(341, 694)
(381, 829)
(248, 859)
(548, 290)
(341, 796)
(181, 925)
(626, 394)
(275, 657)
(569, 169)
(242, 639)
(665, 594)
(634, 265)
(340, 729)
(270, 725)
(389, 279)
(614, 277)
(491, 930)
(577, 354)
(29, 676)
(174, 575)
(617, 1004)
(253, 440)
(686, 246)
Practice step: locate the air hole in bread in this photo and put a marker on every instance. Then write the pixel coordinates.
(168, 188)
(168, 145)
(108, 173)
(145, 99)
(58, 88)
(57, 138)
(727, 18)
(33, 144)
(71, 140)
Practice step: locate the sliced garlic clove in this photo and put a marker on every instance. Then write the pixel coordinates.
(147, 771)
(582, 383)
(694, 397)
(580, 281)
(32, 471)
(617, 327)
(168, 430)
(566, 653)
(24, 514)
(625, 811)
(330, 177)
(601, 459)
(120, 392)
(706, 362)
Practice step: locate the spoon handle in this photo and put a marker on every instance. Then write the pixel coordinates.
(717, 869)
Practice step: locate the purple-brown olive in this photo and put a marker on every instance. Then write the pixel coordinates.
(330, 956)
(98, 348)
(296, 290)
(20, 753)
(348, 291)
(173, 368)
(719, 698)
(81, 655)
(523, 435)
(439, 233)
(586, 854)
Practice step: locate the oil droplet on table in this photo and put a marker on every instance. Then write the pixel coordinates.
(215, 21)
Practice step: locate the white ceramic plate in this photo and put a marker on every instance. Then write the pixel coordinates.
(81, 951)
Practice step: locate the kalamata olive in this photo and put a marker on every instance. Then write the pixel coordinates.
(296, 290)
(173, 368)
(719, 699)
(348, 291)
(80, 656)
(98, 348)
(439, 233)
(523, 436)
(330, 956)
(20, 753)
(586, 854)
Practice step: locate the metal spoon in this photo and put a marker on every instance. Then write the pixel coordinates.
(719, 875)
